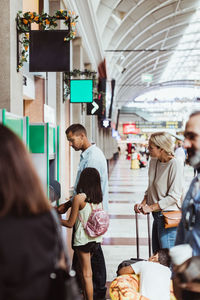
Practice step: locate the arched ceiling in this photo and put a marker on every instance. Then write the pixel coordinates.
(137, 37)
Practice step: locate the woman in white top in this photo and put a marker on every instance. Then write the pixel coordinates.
(89, 184)
(164, 189)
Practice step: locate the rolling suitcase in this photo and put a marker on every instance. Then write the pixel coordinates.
(131, 261)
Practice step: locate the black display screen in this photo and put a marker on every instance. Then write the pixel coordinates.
(48, 51)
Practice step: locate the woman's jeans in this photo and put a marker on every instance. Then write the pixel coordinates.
(162, 237)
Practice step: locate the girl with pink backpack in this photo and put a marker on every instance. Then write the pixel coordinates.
(90, 221)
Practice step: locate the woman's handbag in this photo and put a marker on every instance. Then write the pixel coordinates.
(171, 218)
(63, 285)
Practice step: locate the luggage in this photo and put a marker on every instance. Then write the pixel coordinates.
(126, 287)
(130, 261)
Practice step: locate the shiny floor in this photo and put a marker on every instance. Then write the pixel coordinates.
(127, 187)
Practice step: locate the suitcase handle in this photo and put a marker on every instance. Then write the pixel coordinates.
(137, 235)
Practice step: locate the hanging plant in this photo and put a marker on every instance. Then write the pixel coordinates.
(46, 22)
(77, 73)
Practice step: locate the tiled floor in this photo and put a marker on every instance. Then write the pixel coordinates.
(127, 187)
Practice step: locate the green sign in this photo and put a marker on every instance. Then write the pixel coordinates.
(37, 137)
(81, 90)
(147, 77)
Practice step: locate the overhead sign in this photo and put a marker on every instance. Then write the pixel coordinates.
(130, 129)
(106, 123)
(162, 124)
(95, 108)
(147, 77)
(48, 51)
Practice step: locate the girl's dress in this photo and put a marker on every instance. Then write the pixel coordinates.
(82, 241)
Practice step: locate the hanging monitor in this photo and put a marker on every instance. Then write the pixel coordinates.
(48, 51)
(81, 90)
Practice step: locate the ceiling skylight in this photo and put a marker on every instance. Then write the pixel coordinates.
(185, 62)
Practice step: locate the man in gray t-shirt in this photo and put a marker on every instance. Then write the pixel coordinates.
(154, 275)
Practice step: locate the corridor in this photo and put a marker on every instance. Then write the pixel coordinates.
(127, 187)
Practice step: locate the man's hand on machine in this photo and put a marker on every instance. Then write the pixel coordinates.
(61, 209)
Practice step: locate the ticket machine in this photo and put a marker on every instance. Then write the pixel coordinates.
(44, 148)
(19, 125)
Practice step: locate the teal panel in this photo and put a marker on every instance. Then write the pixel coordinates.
(27, 133)
(3, 115)
(54, 140)
(47, 128)
(15, 124)
(57, 159)
(81, 90)
(58, 141)
(36, 138)
(52, 147)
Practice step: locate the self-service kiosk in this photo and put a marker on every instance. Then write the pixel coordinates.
(44, 148)
(19, 125)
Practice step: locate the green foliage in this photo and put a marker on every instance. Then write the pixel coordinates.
(77, 74)
(46, 22)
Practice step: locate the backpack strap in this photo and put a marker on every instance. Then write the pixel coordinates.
(81, 220)
(97, 204)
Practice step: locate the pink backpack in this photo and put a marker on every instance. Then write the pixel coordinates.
(97, 223)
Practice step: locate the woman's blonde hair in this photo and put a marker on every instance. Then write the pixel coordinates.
(164, 141)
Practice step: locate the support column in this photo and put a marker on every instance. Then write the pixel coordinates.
(63, 120)
(62, 115)
(89, 125)
(76, 109)
(11, 96)
(89, 120)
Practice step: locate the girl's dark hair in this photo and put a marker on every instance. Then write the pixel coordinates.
(21, 192)
(90, 184)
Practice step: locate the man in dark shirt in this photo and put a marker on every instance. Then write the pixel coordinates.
(189, 227)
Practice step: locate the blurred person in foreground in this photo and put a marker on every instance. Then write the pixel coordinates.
(189, 226)
(164, 188)
(186, 279)
(28, 236)
(154, 275)
(186, 274)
